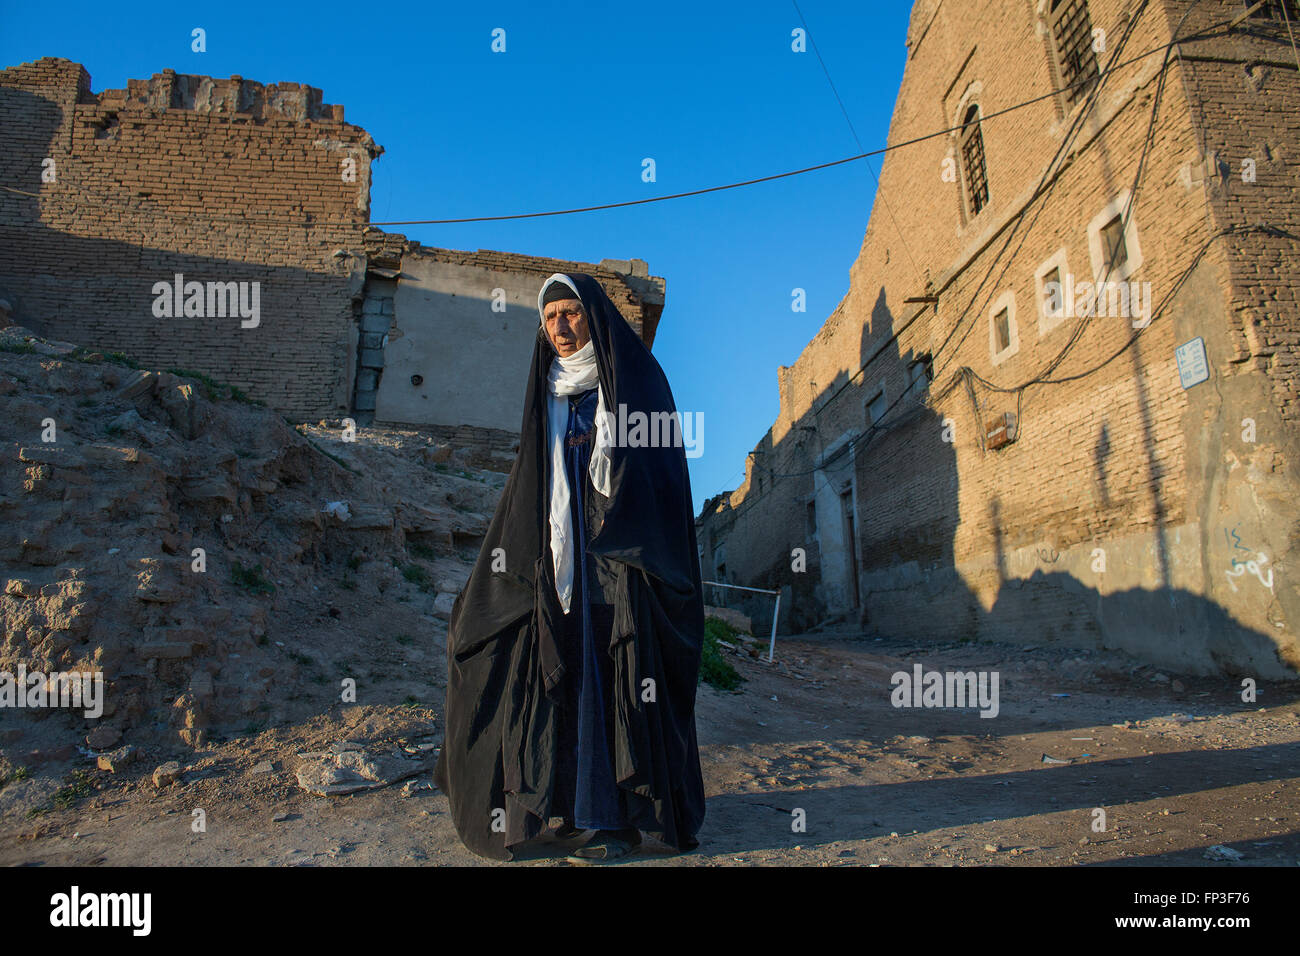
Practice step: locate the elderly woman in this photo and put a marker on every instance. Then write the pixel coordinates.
(573, 650)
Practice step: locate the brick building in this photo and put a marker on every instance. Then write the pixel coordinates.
(978, 445)
(220, 226)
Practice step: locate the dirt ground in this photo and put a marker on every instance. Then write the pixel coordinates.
(1178, 764)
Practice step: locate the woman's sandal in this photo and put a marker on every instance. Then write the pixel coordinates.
(564, 832)
(606, 846)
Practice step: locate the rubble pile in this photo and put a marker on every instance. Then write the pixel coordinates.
(161, 530)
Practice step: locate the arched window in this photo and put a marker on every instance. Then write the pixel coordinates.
(972, 159)
(1071, 30)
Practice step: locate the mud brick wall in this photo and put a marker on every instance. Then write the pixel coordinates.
(219, 180)
(1116, 516)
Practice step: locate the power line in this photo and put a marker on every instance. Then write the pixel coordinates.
(963, 375)
(762, 179)
(966, 374)
(322, 223)
(879, 192)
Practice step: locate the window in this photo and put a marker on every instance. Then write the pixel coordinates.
(1002, 329)
(1071, 30)
(1114, 254)
(972, 158)
(1052, 279)
(1112, 247)
(919, 375)
(876, 407)
(1004, 340)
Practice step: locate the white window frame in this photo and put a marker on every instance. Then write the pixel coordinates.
(1058, 260)
(1007, 300)
(1131, 245)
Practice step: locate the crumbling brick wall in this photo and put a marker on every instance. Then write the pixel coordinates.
(215, 180)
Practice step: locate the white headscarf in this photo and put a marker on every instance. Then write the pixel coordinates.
(569, 376)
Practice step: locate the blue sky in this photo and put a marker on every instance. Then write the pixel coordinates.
(564, 118)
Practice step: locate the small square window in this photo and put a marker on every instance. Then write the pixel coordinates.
(1004, 340)
(919, 374)
(1114, 247)
(1002, 329)
(1052, 293)
(1112, 243)
(1050, 280)
(876, 407)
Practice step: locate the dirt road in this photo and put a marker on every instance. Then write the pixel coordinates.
(1179, 766)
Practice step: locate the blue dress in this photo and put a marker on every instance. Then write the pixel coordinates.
(586, 791)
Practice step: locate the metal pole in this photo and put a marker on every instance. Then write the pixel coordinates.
(771, 650)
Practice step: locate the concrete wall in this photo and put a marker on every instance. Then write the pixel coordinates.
(473, 360)
(457, 340)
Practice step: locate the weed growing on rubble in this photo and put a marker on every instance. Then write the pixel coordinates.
(716, 670)
(212, 389)
(341, 463)
(76, 785)
(13, 776)
(18, 348)
(121, 358)
(251, 579)
(417, 576)
(215, 389)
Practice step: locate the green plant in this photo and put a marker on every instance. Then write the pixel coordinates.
(77, 784)
(329, 454)
(423, 551)
(13, 776)
(716, 670)
(251, 579)
(354, 562)
(404, 639)
(121, 358)
(417, 575)
(212, 389)
(239, 395)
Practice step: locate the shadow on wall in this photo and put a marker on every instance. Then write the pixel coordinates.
(286, 342)
(910, 586)
(284, 335)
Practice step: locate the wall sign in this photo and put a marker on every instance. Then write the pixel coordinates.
(1193, 369)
